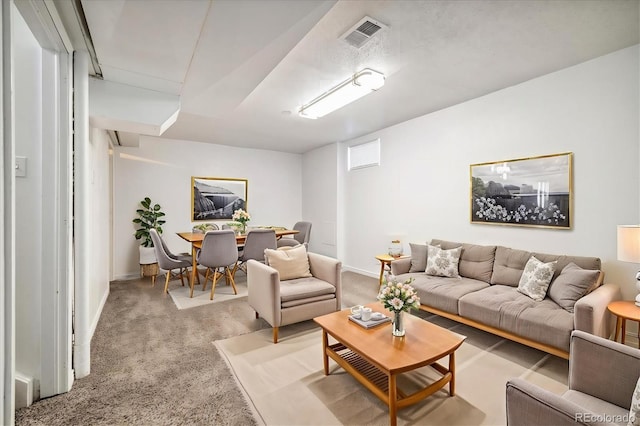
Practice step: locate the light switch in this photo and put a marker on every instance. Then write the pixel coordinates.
(21, 166)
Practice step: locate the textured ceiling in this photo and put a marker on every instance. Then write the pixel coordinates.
(244, 67)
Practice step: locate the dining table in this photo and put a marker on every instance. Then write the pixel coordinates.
(195, 238)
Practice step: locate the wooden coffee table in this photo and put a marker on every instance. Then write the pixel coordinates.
(375, 357)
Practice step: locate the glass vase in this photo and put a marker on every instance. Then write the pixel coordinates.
(398, 324)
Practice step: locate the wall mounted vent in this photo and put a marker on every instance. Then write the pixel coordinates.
(362, 32)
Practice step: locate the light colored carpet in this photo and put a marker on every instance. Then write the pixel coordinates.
(180, 295)
(286, 384)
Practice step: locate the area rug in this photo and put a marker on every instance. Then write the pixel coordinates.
(286, 384)
(180, 295)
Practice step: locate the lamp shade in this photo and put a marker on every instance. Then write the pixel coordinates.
(629, 243)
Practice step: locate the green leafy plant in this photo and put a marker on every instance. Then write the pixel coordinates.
(148, 218)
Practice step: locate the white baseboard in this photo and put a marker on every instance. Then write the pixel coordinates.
(361, 271)
(25, 390)
(96, 318)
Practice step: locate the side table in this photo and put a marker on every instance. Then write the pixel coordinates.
(624, 310)
(385, 260)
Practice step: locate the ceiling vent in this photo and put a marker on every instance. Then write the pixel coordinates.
(362, 32)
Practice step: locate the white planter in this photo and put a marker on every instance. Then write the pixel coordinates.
(147, 255)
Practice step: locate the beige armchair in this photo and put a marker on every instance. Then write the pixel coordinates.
(282, 303)
(602, 378)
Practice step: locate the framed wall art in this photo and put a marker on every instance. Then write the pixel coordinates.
(217, 198)
(534, 191)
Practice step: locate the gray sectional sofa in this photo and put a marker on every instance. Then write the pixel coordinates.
(486, 296)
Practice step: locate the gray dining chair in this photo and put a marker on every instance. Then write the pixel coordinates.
(254, 246)
(302, 237)
(219, 251)
(169, 261)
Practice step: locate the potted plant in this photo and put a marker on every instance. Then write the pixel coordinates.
(149, 217)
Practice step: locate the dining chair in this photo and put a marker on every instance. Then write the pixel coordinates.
(302, 237)
(254, 246)
(219, 251)
(169, 261)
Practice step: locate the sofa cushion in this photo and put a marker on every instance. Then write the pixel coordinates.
(508, 266)
(290, 262)
(442, 293)
(477, 262)
(443, 263)
(572, 283)
(585, 262)
(418, 257)
(505, 308)
(536, 278)
(444, 244)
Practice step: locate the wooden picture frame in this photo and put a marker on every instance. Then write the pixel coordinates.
(214, 198)
(534, 191)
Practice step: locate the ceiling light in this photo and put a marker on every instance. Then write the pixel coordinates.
(362, 83)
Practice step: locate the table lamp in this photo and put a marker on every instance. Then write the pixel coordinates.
(629, 249)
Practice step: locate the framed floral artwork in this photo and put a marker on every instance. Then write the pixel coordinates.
(534, 191)
(217, 198)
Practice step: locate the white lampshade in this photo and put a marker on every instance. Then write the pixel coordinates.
(629, 243)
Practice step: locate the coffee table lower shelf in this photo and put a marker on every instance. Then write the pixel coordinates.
(382, 383)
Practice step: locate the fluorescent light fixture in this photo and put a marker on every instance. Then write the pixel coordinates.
(362, 83)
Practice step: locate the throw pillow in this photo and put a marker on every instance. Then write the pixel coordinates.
(634, 411)
(290, 263)
(418, 257)
(572, 283)
(535, 278)
(443, 263)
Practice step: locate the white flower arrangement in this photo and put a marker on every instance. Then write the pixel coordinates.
(241, 216)
(398, 296)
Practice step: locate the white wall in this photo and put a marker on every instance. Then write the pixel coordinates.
(421, 190)
(162, 169)
(28, 137)
(100, 224)
(319, 200)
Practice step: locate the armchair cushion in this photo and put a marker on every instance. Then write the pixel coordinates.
(304, 288)
(290, 262)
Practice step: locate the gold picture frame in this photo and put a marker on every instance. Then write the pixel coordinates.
(533, 191)
(214, 198)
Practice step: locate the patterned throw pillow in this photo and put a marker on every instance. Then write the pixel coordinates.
(536, 278)
(634, 412)
(443, 263)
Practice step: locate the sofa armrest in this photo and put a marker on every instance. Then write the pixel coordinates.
(400, 266)
(603, 368)
(528, 404)
(327, 269)
(591, 313)
(263, 286)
